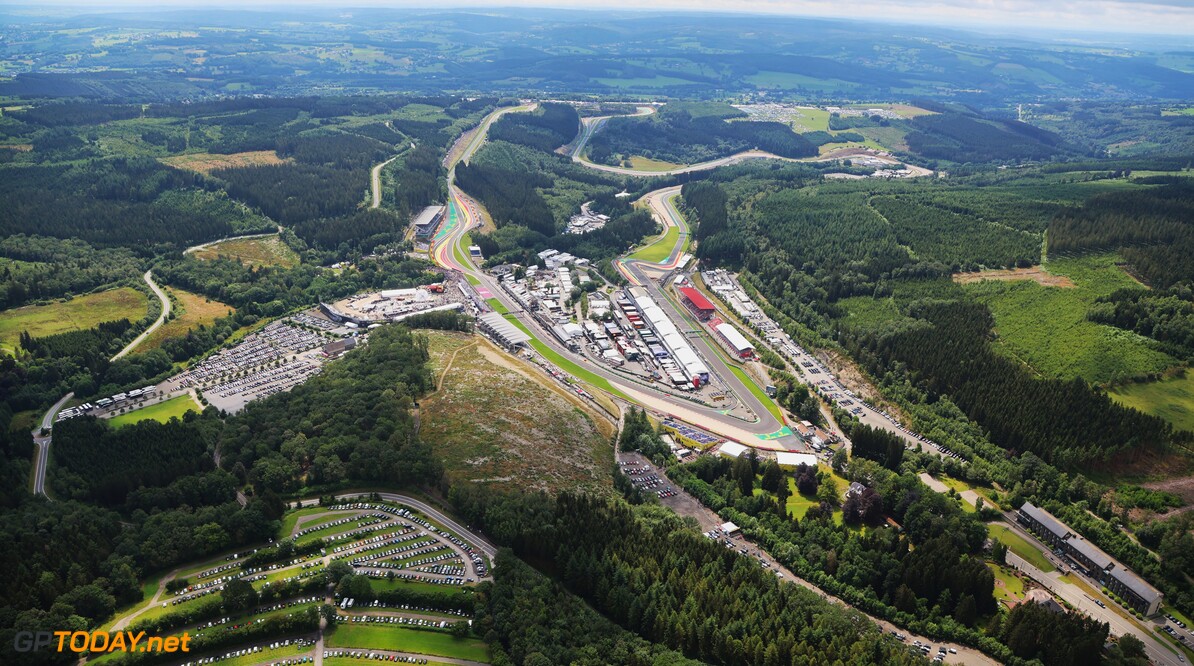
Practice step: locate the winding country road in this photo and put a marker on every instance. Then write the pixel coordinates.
(47, 420)
(592, 125)
(165, 300)
(375, 181)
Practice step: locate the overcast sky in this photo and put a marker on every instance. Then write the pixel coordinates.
(1174, 17)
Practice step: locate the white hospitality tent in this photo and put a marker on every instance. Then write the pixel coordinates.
(792, 459)
(732, 449)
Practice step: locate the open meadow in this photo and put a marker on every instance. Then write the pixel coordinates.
(496, 420)
(1171, 398)
(191, 311)
(77, 314)
(402, 639)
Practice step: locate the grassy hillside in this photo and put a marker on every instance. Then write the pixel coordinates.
(77, 314)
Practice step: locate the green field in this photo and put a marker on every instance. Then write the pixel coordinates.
(290, 520)
(1047, 329)
(1020, 546)
(262, 251)
(382, 585)
(659, 249)
(402, 639)
(326, 533)
(798, 504)
(160, 411)
(267, 655)
(77, 314)
(1171, 399)
(811, 120)
(323, 520)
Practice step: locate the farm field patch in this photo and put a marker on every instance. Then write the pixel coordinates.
(648, 164)
(192, 311)
(1171, 398)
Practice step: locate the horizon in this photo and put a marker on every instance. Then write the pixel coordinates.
(1102, 20)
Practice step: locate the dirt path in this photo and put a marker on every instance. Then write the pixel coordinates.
(1036, 274)
(157, 596)
(439, 385)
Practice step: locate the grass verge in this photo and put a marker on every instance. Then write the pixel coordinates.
(1020, 546)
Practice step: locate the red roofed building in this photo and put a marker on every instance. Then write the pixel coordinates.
(696, 301)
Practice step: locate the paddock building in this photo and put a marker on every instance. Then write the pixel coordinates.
(428, 220)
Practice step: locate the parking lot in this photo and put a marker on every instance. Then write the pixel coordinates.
(277, 358)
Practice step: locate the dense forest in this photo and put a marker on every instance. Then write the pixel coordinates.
(683, 134)
(419, 180)
(41, 267)
(650, 573)
(130, 202)
(547, 128)
(1150, 226)
(351, 421)
(924, 571)
(96, 462)
(528, 618)
(1165, 316)
(964, 137)
(510, 196)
